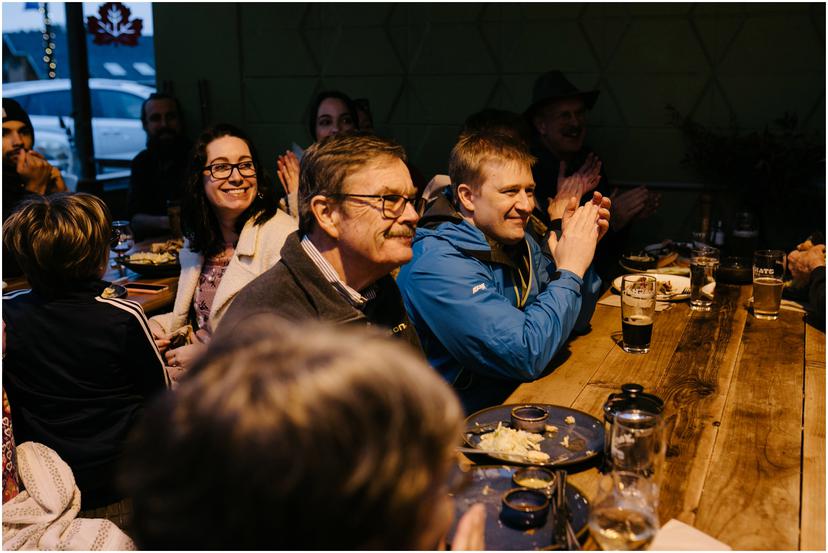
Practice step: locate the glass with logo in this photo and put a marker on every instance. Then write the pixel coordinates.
(638, 297)
(768, 270)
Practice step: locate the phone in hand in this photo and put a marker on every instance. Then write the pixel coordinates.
(145, 287)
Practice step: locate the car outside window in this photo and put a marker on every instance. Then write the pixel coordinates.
(54, 103)
(115, 104)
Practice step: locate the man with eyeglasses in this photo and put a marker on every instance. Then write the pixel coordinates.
(358, 211)
(491, 309)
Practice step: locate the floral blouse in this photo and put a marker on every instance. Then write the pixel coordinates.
(208, 282)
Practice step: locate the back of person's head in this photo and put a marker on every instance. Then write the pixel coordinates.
(290, 436)
(476, 149)
(326, 165)
(500, 121)
(198, 220)
(313, 110)
(158, 96)
(59, 240)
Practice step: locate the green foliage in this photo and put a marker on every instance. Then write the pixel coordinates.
(780, 157)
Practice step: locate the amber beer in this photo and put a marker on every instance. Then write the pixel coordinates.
(638, 293)
(768, 270)
(767, 297)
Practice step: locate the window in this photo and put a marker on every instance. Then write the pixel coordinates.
(54, 103)
(114, 104)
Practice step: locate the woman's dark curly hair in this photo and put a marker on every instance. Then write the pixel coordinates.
(322, 96)
(199, 222)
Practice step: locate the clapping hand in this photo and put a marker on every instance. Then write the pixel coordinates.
(604, 206)
(628, 205)
(579, 183)
(287, 169)
(581, 231)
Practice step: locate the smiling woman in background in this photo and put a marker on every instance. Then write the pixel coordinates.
(331, 112)
(234, 233)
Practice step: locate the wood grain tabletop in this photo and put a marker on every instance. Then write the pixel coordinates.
(745, 415)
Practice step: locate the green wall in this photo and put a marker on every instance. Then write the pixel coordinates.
(425, 67)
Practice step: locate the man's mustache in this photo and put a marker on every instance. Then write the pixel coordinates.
(408, 233)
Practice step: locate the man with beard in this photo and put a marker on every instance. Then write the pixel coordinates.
(157, 173)
(26, 173)
(490, 308)
(358, 209)
(558, 118)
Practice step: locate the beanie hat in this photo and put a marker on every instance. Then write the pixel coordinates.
(13, 112)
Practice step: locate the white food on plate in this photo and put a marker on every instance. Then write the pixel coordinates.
(150, 258)
(518, 442)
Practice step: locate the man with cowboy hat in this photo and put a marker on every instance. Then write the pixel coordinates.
(557, 116)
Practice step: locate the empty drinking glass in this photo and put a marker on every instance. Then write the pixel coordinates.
(122, 241)
(624, 515)
(703, 263)
(637, 443)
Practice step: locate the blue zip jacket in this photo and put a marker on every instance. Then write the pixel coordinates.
(463, 300)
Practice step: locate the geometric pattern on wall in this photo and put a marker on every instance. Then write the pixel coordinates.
(425, 67)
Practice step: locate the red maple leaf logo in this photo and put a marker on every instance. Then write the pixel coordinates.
(114, 26)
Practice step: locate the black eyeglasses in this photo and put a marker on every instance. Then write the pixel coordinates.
(224, 170)
(393, 205)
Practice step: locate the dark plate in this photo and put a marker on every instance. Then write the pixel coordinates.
(639, 261)
(154, 270)
(586, 436)
(117, 291)
(487, 485)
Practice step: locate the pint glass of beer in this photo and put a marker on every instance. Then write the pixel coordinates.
(768, 270)
(638, 297)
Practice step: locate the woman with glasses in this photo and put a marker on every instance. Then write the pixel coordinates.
(234, 233)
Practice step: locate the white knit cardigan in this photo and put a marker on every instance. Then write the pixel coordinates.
(258, 250)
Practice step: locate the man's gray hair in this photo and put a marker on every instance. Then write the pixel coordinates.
(328, 162)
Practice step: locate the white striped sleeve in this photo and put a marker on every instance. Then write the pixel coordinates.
(138, 312)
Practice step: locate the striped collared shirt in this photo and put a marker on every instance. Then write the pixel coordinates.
(351, 296)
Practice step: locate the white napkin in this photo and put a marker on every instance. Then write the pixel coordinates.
(678, 536)
(613, 300)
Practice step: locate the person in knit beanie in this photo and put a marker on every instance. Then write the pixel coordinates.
(24, 170)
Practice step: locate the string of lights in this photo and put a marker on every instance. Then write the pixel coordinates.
(48, 41)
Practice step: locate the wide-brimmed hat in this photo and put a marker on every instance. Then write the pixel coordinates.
(552, 85)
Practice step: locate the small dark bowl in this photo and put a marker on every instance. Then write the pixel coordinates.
(529, 418)
(735, 270)
(534, 478)
(524, 508)
(639, 261)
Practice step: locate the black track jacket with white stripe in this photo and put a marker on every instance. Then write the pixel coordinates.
(78, 370)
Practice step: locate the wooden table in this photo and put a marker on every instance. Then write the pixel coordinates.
(151, 303)
(745, 410)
